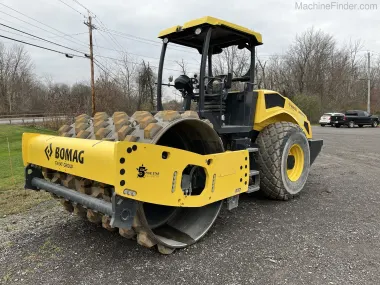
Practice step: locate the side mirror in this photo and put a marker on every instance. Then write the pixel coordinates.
(228, 84)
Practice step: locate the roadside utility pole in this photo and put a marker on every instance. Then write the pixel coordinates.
(90, 28)
(369, 85)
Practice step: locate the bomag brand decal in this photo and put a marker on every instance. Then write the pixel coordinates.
(295, 109)
(65, 154)
(48, 151)
(69, 154)
(302, 114)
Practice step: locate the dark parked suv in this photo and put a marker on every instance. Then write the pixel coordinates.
(355, 117)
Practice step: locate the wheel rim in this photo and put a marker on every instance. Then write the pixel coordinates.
(295, 162)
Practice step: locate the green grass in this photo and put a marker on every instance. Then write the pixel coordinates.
(13, 197)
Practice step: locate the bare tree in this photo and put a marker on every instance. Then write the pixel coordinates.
(231, 60)
(260, 72)
(314, 65)
(183, 65)
(15, 76)
(127, 73)
(146, 86)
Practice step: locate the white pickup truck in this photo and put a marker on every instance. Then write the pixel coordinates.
(325, 120)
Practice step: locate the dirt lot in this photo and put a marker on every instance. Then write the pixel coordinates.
(329, 235)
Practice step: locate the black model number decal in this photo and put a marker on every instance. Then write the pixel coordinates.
(64, 164)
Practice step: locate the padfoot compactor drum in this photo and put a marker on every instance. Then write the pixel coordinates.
(162, 177)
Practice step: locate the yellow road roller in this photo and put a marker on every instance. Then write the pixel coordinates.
(162, 177)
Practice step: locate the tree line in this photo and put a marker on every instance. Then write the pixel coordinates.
(316, 72)
(126, 86)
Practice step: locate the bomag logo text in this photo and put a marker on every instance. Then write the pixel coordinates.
(69, 154)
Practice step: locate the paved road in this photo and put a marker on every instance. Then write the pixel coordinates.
(20, 121)
(329, 235)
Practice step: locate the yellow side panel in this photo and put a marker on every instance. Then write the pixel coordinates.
(290, 112)
(231, 170)
(141, 168)
(86, 158)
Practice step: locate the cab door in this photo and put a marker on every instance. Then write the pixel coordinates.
(361, 119)
(366, 119)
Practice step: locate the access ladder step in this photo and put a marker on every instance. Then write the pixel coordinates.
(255, 175)
(252, 149)
(253, 188)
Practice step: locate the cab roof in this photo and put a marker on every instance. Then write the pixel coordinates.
(224, 35)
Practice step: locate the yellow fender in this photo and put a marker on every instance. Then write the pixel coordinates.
(272, 107)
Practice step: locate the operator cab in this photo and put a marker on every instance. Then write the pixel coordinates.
(229, 111)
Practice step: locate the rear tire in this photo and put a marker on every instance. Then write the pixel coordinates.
(322, 125)
(351, 124)
(279, 180)
(375, 124)
(337, 126)
(361, 126)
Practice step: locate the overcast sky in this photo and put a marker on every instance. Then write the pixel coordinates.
(278, 21)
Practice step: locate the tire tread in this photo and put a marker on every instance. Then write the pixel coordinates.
(271, 141)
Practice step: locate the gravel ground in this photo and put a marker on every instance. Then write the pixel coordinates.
(329, 235)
